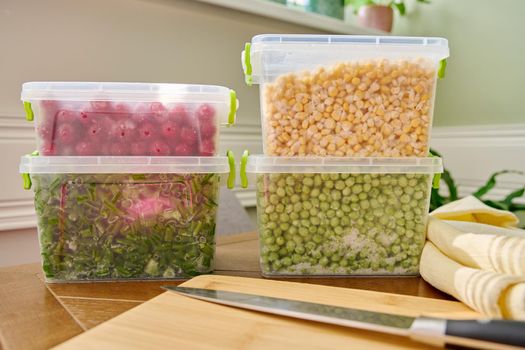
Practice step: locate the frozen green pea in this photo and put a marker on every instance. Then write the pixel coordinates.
(334, 222)
(303, 231)
(336, 195)
(284, 226)
(340, 185)
(315, 192)
(335, 205)
(364, 204)
(356, 189)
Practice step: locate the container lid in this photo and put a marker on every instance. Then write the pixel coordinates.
(290, 51)
(264, 164)
(123, 165)
(134, 92)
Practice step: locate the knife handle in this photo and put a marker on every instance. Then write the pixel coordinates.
(469, 334)
(486, 334)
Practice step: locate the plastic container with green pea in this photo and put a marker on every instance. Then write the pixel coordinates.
(115, 218)
(343, 216)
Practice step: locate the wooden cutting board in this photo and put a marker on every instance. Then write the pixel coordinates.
(172, 321)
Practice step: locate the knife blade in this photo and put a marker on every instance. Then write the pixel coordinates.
(478, 334)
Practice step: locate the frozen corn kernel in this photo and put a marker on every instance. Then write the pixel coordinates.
(374, 108)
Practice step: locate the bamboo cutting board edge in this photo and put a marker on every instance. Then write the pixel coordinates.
(172, 320)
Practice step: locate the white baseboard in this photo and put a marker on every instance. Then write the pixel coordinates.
(470, 153)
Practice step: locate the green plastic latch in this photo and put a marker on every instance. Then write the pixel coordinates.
(30, 116)
(247, 64)
(231, 176)
(233, 107)
(27, 181)
(436, 180)
(26, 177)
(442, 68)
(244, 176)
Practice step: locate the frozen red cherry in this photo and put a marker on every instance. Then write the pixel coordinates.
(101, 106)
(157, 107)
(122, 131)
(205, 112)
(179, 114)
(139, 148)
(66, 133)
(119, 149)
(95, 131)
(45, 129)
(159, 148)
(147, 131)
(208, 130)
(47, 149)
(207, 148)
(183, 150)
(84, 149)
(169, 130)
(122, 109)
(189, 135)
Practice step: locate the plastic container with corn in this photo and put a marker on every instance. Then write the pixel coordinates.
(326, 95)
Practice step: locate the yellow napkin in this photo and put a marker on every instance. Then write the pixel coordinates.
(493, 294)
(486, 251)
(480, 261)
(472, 209)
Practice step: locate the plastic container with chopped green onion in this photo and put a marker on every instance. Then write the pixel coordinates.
(342, 216)
(113, 218)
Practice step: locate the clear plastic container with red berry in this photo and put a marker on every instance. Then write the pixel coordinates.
(128, 119)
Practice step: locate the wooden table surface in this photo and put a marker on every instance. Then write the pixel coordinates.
(39, 315)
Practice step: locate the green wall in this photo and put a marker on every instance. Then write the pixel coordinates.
(485, 82)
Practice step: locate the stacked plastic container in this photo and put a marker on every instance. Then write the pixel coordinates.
(126, 177)
(343, 187)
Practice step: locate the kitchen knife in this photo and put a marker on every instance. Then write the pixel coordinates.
(478, 334)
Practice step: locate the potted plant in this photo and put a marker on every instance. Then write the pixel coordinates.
(378, 14)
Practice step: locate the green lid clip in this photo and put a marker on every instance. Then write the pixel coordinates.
(233, 107)
(244, 161)
(442, 68)
(26, 177)
(231, 176)
(247, 64)
(29, 111)
(436, 180)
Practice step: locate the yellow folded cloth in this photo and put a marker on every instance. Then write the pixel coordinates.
(472, 209)
(478, 256)
(486, 251)
(493, 294)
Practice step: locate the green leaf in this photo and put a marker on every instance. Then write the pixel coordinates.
(491, 182)
(516, 194)
(400, 6)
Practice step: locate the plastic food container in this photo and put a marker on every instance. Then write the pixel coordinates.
(342, 95)
(342, 216)
(127, 119)
(112, 218)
